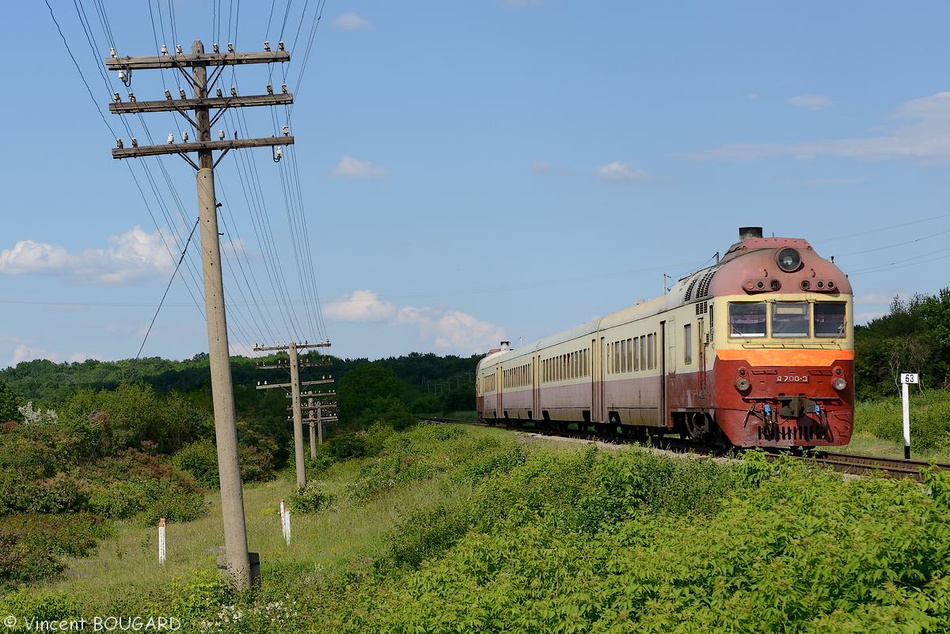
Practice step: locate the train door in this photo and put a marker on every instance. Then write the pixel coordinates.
(665, 366)
(597, 381)
(701, 357)
(499, 392)
(535, 388)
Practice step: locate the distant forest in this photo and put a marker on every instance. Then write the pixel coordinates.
(428, 383)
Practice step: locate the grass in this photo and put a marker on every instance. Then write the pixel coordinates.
(125, 569)
(126, 565)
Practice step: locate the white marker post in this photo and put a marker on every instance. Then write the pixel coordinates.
(161, 541)
(287, 525)
(907, 379)
(285, 521)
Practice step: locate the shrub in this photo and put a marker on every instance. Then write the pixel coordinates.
(121, 499)
(21, 562)
(200, 459)
(61, 494)
(40, 605)
(321, 462)
(425, 534)
(178, 500)
(256, 465)
(346, 446)
(310, 499)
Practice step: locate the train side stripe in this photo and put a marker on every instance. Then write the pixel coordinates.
(786, 357)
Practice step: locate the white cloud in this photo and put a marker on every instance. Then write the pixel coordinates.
(356, 169)
(461, 331)
(879, 298)
(540, 166)
(810, 101)
(234, 249)
(23, 352)
(132, 255)
(445, 330)
(362, 306)
(618, 171)
(352, 22)
(924, 135)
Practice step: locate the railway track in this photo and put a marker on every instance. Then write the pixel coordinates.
(851, 464)
(865, 465)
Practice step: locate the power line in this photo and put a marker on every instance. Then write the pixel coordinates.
(167, 287)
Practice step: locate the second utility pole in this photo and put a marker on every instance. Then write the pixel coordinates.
(294, 385)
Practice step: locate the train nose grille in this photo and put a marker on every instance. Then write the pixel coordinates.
(797, 432)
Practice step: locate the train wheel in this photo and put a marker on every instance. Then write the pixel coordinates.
(699, 425)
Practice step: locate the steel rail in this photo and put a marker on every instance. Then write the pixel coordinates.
(851, 464)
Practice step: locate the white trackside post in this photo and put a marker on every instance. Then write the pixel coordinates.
(906, 380)
(285, 521)
(161, 541)
(287, 525)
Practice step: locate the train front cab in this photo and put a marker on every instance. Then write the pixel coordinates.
(783, 370)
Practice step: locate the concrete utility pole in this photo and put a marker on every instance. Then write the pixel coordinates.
(294, 385)
(319, 413)
(237, 559)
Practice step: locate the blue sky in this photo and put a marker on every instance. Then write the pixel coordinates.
(464, 172)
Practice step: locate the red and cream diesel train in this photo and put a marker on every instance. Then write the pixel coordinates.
(756, 350)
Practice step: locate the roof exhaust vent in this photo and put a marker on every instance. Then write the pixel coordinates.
(746, 233)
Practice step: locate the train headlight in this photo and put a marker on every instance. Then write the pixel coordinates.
(789, 260)
(839, 383)
(742, 385)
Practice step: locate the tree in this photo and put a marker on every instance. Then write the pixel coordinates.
(9, 402)
(913, 337)
(360, 388)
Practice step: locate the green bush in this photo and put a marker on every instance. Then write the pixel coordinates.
(32, 545)
(310, 499)
(791, 549)
(346, 446)
(21, 562)
(41, 605)
(321, 462)
(178, 500)
(257, 465)
(425, 534)
(121, 499)
(489, 456)
(200, 459)
(60, 494)
(929, 420)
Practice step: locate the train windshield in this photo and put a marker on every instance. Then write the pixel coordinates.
(790, 319)
(829, 319)
(747, 319)
(787, 319)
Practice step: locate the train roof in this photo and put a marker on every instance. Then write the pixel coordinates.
(745, 264)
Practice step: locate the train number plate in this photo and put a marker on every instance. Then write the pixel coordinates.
(791, 378)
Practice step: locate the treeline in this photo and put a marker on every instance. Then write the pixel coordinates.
(427, 383)
(913, 337)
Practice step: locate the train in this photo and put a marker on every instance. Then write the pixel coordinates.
(756, 350)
